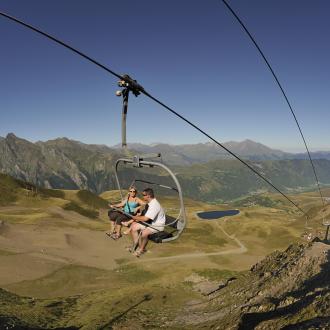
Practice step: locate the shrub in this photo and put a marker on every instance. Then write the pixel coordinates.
(85, 212)
(92, 200)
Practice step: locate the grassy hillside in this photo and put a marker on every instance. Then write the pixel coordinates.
(8, 189)
(286, 289)
(22, 194)
(79, 277)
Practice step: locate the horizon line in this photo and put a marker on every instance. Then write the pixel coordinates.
(294, 150)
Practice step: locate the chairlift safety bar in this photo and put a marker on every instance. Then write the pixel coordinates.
(139, 162)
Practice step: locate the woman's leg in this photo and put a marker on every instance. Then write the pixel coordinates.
(112, 226)
(113, 215)
(121, 217)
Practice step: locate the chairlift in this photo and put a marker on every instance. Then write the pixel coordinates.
(174, 225)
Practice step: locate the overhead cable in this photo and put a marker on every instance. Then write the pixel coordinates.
(143, 91)
(283, 92)
(61, 43)
(223, 147)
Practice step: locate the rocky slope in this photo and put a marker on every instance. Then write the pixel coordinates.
(61, 163)
(287, 290)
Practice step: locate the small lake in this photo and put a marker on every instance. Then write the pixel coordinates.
(213, 215)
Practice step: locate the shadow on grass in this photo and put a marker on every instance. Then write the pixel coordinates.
(109, 325)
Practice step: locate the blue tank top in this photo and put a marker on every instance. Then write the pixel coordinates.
(130, 206)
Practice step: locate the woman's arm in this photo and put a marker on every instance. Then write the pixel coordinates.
(140, 201)
(140, 207)
(121, 204)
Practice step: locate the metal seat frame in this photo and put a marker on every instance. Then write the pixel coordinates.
(139, 162)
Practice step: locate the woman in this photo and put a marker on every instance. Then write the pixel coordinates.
(130, 205)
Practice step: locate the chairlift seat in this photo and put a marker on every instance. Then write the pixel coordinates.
(159, 236)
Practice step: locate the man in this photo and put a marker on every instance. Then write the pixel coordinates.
(155, 214)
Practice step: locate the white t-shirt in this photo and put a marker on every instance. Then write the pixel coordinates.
(156, 213)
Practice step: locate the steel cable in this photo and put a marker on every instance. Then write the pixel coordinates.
(143, 91)
(283, 92)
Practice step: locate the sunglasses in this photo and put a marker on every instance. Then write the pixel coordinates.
(132, 191)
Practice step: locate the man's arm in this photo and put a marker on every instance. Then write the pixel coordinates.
(140, 218)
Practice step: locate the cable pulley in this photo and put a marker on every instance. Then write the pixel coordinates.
(131, 85)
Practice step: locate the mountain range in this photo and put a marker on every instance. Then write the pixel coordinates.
(203, 168)
(188, 154)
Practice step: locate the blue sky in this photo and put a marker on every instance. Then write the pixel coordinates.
(192, 55)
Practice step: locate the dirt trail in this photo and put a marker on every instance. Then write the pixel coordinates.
(242, 249)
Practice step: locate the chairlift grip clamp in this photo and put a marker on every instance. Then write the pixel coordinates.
(131, 85)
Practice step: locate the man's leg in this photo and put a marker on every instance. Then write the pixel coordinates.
(135, 227)
(144, 238)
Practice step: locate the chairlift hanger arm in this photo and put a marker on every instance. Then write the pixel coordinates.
(158, 184)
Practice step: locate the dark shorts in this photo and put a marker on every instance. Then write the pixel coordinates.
(117, 217)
